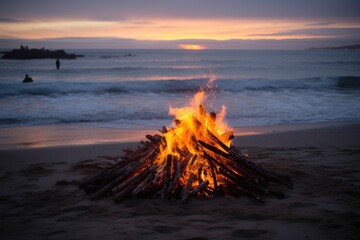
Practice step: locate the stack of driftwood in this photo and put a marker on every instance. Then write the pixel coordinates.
(214, 169)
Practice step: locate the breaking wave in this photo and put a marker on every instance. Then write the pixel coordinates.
(176, 86)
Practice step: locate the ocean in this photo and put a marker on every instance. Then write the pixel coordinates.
(108, 89)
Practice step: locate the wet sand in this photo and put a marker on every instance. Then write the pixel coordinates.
(49, 136)
(39, 198)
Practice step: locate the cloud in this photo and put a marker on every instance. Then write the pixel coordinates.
(143, 23)
(133, 27)
(320, 24)
(11, 20)
(319, 32)
(162, 20)
(145, 10)
(139, 24)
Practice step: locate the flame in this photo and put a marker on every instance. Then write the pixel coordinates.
(194, 157)
(191, 46)
(192, 123)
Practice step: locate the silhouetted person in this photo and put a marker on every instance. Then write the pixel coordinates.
(27, 79)
(22, 47)
(57, 63)
(26, 48)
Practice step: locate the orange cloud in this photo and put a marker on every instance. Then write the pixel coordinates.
(160, 29)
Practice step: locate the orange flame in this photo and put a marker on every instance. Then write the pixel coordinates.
(192, 123)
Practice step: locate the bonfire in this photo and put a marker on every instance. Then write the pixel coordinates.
(194, 158)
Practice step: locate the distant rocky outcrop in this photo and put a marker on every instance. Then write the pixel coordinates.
(24, 53)
(129, 55)
(348, 47)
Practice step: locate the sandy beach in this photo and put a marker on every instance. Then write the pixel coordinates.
(184, 120)
(39, 198)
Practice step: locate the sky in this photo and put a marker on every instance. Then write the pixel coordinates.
(174, 24)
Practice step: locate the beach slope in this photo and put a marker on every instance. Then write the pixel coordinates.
(39, 198)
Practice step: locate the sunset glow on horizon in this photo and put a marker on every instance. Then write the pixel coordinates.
(191, 47)
(167, 29)
(171, 25)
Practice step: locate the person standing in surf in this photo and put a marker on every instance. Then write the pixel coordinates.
(57, 63)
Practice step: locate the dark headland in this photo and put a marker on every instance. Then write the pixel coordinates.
(348, 47)
(24, 53)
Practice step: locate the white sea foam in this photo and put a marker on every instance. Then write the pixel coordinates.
(259, 87)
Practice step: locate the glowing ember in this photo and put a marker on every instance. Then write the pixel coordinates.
(195, 157)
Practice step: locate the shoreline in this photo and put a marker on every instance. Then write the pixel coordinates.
(334, 135)
(71, 135)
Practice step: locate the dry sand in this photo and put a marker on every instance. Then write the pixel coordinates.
(325, 203)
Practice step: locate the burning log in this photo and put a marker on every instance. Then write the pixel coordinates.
(199, 188)
(177, 174)
(186, 191)
(193, 159)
